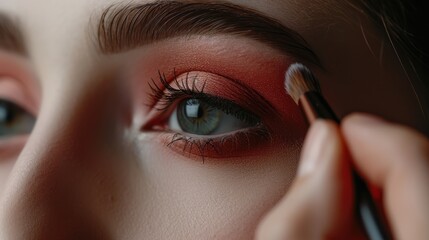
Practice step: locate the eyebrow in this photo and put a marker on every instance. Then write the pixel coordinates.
(11, 38)
(122, 28)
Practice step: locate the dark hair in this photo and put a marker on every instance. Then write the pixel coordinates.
(405, 24)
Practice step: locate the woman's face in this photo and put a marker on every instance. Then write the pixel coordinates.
(168, 121)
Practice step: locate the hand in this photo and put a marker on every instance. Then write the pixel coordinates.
(319, 204)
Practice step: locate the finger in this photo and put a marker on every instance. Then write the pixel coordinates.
(395, 159)
(319, 202)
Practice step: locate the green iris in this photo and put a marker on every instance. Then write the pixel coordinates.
(197, 117)
(14, 120)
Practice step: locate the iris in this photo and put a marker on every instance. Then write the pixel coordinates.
(197, 117)
(14, 120)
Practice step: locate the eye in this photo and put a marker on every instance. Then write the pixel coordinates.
(14, 120)
(198, 114)
(199, 117)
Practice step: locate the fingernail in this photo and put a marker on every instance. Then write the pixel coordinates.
(314, 145)
(367, 119)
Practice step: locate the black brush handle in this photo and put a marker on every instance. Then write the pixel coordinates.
(369, 216)
(315, 106)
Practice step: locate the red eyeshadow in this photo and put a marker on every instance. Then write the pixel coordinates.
(232, 58)
(259, 67)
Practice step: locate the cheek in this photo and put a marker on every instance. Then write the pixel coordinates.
(208, 200)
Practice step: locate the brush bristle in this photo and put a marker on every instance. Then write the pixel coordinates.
(299, 80)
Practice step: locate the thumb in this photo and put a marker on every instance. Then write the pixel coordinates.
(319, 202)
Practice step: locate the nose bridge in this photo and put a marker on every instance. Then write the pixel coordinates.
(49, 181)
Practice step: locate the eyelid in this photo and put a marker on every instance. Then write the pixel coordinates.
(17, 83)
(9, 148)
(12, 91)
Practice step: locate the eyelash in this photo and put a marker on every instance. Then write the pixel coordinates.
(163, 100)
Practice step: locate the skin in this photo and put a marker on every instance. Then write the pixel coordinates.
(87, 172)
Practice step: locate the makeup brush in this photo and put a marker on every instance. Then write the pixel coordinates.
(305, 90)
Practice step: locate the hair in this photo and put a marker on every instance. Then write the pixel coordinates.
(404, 24)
